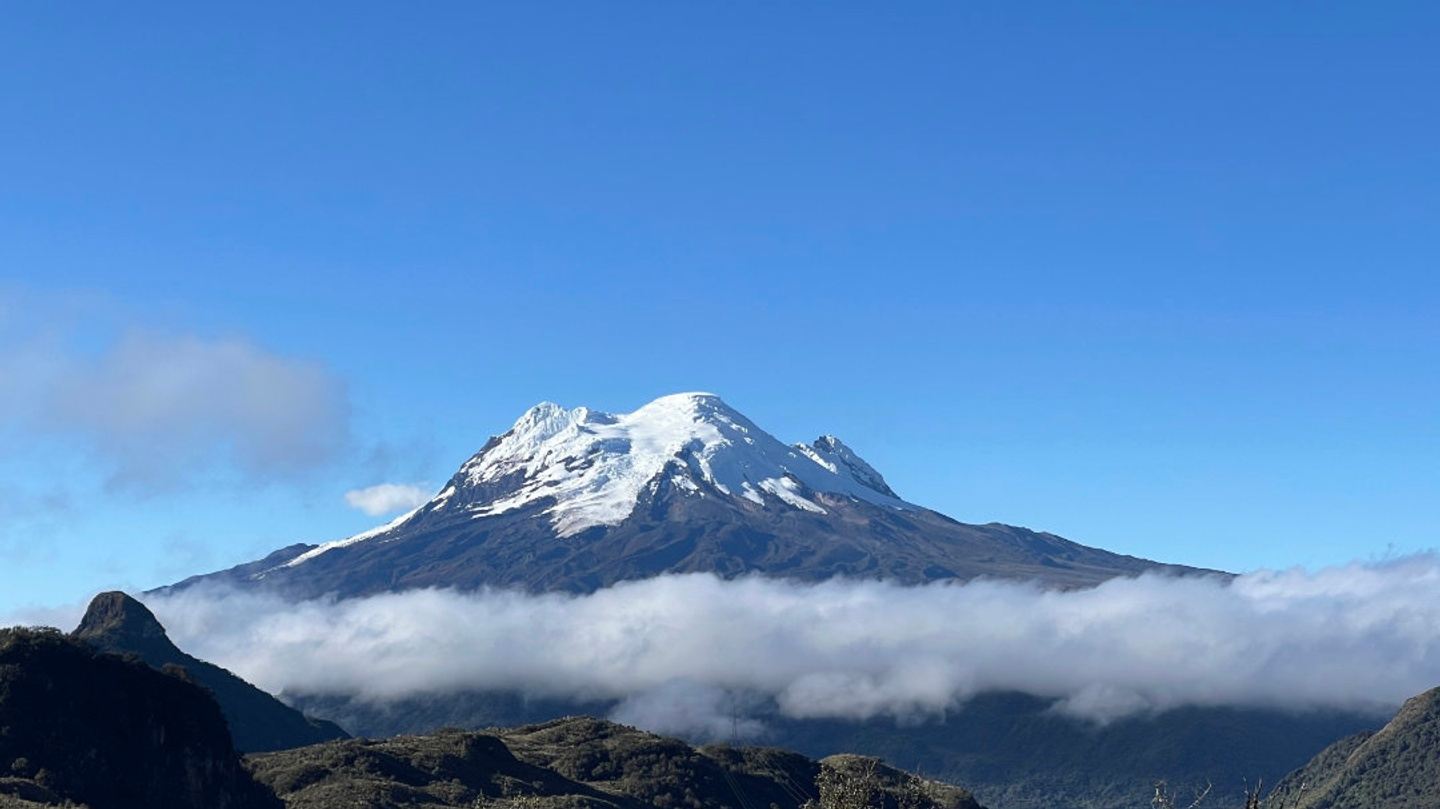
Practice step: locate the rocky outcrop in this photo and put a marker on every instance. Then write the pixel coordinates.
(119, 624)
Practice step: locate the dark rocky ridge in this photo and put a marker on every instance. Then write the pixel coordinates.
(119, 624)
(81, 726)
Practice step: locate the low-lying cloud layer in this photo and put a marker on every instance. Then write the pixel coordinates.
(671, 649)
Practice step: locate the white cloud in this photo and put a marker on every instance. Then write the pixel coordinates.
(158, 408)
(387, 498)
(676, 651)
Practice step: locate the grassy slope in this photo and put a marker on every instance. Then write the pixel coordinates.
(573, 762)
(1397, 767)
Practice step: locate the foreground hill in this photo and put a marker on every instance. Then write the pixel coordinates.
(1396, 767)
(576, 500)
(1016, 752)
(79, 726)
(584, 762)
(117, 623)
(1013, 750)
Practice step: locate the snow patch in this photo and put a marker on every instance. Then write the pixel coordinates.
(360, 537)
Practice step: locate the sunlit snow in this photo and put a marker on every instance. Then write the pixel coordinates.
(593, 467)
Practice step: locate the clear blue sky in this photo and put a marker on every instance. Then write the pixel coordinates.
(1159, 277)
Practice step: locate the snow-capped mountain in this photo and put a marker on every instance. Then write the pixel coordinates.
(576, 499)
(596, 465)
(584, 469)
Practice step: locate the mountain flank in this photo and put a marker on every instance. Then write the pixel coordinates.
(1396, 767)
(119, 624)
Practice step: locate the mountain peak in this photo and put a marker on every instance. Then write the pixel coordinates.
(587, 468)
(595, 466)
(119, 624)
(116, 612)
(547, 419)
(115, 620)
(694, 402)
(832, 453)
(694, 396)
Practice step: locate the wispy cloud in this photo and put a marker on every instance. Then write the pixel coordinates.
(676, 650)
(155, 408)
(387, 498)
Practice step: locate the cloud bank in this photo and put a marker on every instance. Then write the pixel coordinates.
(675, 652)
(387, 498)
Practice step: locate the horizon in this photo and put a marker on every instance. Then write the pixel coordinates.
(1158, 280)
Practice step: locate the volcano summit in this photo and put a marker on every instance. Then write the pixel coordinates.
(575, 500)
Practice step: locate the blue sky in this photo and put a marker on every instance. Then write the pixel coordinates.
(1156, 277)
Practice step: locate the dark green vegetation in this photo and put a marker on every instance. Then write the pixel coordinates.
(117, 623)
(90, 728)
(1397, 767)
(583, 762)
(1013, 750)
(1016, 753)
